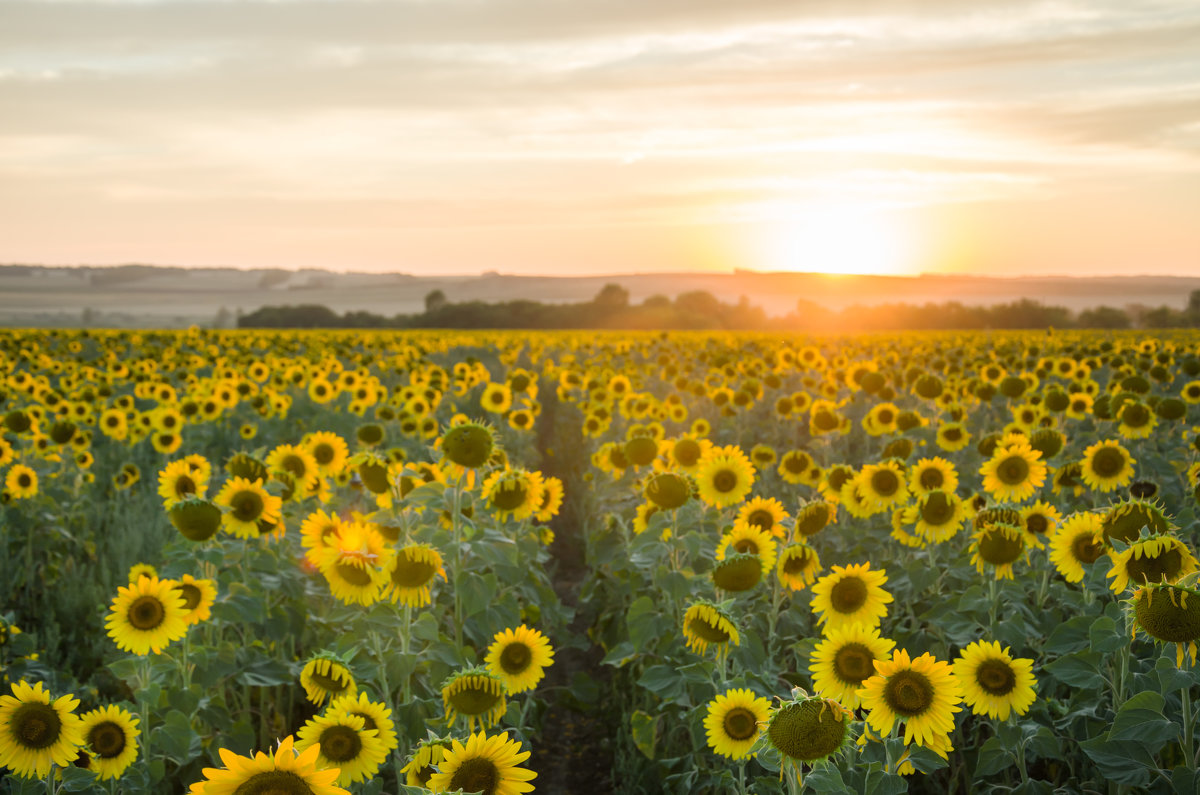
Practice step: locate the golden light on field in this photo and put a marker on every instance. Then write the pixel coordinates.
(838, 238)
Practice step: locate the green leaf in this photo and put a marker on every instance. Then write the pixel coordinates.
(1140, 720)
(662, 680)
(826, 778)
(620, 655)
(645, 732)
(1120, 763)
(925, 760)
(263, 671)
(880, 782)
(76, 779)
(1081, 669)
(177, 739)
(1070, 636)
(993, 757)
(1105, 637)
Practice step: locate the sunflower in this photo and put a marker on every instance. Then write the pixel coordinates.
(813, 517)
(139, 570)
(668, 490)
(299, 464)
(21, 482)
(487, 765)
(883, 485)
(422, 765)
(476, 693)
(737, 572)
(806, 729)
(519, 657)
(177, 481)
(1170, 613)
(345, 744)
(355, 563)
(1137, 420)
(513, 493)
(705, 624)
(1076, 543)
(552, 499)
(725, 477)
(687, 452)
(147, 615)
(765, 514)
(317, 532)
(198, 598)
(496, 398)
(844, 659)
(993, 683)
(375, 716)
(734, 721)
(1040, 519)
(796, 466)
(287, 773)
(327, 677)
(848, 595)
(1124, 521)
(922, 692)
(798, 566)
(932, 474)
(329, 450)
(999, 545)
(36, 732)
(195, 519)
(410, 574)
(1107, 466)
(953, 436)
(248, 503)
(1158, 558)
(937, 516)
(111, 736)
(1013, 473)
(749, 539)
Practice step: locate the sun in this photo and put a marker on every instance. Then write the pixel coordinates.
(835, 238)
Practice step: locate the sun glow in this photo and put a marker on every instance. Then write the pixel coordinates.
(835, 238)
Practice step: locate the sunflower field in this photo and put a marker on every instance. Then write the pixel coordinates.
(316, 563)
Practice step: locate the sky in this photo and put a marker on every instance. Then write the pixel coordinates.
(589, 137)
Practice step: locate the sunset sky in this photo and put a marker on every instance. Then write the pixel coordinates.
(580, 136)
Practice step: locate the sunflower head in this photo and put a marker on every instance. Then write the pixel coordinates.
(475, 692)
(1125, 521)
(247, 467)
(668, 490)
(798, 566)
(814, 517)
(1048, 442)
(468, 444)
(706, 624)
(196, 519)
(1170, 613)
(326, 675)
(1151, 559)
(740, 571)
(734, 722)
(998, 545)
(422, 765)
(807, 729)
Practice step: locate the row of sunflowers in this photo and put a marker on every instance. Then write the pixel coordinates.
(318, 562)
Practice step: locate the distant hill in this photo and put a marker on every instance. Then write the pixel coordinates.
(171, 297)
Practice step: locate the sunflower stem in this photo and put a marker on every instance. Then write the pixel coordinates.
(742, 778)
(1123, 671)
(50, 788)
(144, 705)
(1189, 753)
(455, 524)
(405, 631)
(993, 604)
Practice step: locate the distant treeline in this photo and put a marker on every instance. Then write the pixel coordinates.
(699, 309)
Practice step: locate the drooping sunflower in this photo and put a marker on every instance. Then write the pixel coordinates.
(797, 467)
(937, 516)
(1157, 558)
(993, 682)
(21, 482)
(922, 692)
(329, 450)
(738, 572)
(476, 693)
(519, 657)
(999, 545)
(375, 716)
(248, 503)
(1013, 473)
(487, 765)
(1077, 542)
(849, 595)
(813, 517)
(355, 563)
(705, 624)
(687, 452)
(326, 677)
(1124, 521)
(749, 539)
(177, 482)
(798, 566)
(806, 729)
(1170, 613)
(552, 499)
(36, 731)
(932, 474)
(1107, 466)
(668, 490)
(422, 765)
(725, 477)
(410, 575)
(198, 598)
(513, 493)
(734, 721)
(466, 446)
(111, 736)
(286, 772)
(147, 615)
(844, 659)
(345, 743)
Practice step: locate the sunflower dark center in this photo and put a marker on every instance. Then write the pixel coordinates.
(1013, 471)
(184, 486)
(295, 464)
(368, 722)
(1135, 415)
(329, 684)
(739, 573)
(998, 548)
(687, 452)
(825, 420)
(932, 478)
(885, 482)
(276, 782)
(952, 434)
(848, 595)
(1108, 462)
(35, 726)
(795, 564)
(476, 775)
(740, 724)
(510, 496)
(937, 510)
(191, 595)
(107, 740)
(1037, 523)
(853, 663)
(468, 445)
(1155, 568)
(472, 700)
(357, 576)
(1169, 614)
(340, 744)
(809, 730)
(886, 417)
(908, 693)
(795, 464)
(1085, 548)
(24, 480)
(707, 632)
(146, 613)
(247, 506)
(995, 677)
(323, 453)
(411, 573)
(747, 546)
(725, 481)
(515, 658)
